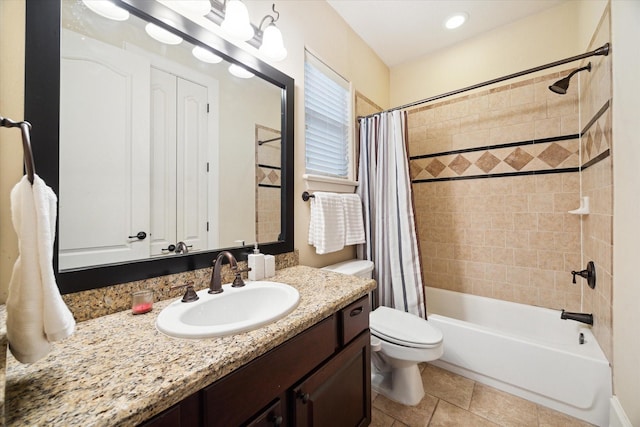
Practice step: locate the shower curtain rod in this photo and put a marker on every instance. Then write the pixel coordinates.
(602, 51)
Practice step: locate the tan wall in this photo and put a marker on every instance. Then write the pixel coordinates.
(527, 43)
(315, 25)
(626, 158)
(11, 105)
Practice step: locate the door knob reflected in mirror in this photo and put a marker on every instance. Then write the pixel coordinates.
(140, 236)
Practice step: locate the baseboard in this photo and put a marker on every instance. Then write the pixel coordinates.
(617, 416)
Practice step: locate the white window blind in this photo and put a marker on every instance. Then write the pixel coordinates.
(327, 109)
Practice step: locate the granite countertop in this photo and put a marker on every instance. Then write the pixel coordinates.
(119, 370)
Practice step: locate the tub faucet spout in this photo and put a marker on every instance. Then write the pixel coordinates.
(578, 317)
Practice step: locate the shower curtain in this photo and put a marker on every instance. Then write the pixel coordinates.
(385, 189)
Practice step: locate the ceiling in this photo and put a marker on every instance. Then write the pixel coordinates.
(402, 30)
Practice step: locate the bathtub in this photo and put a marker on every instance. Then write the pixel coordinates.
(524, 350)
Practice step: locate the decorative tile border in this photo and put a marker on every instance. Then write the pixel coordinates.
(268, 176)
(549, 155)
(597, 138)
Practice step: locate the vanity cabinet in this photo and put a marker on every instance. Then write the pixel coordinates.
(338, 393)
(321, 377)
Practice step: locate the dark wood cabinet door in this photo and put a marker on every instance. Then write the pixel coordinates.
(338, 394)
(184, 414)
(272, 416)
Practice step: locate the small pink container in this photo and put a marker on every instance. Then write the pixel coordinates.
(142, 301)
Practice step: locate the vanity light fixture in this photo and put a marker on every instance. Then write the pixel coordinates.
(205, 55)
(107, 9)
(240, 72)
(162, 35)
(456, 20)
(272, 45)
(233, 18)
(196, 7)
(236, 21)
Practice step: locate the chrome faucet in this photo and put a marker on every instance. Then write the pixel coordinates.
(181, 248)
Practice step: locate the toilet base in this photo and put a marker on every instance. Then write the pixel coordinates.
(402, 385)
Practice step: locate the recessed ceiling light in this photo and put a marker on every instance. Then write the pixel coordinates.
(455, 21)
(107, 9)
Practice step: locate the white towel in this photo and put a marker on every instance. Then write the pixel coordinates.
(353, 220)
(36, 313)
(326, 225)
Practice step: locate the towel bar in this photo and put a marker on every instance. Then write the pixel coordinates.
(306, 196)
(26, 144)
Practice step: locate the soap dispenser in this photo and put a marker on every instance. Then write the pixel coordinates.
(256, 264)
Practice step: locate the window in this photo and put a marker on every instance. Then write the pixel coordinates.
(327, 107)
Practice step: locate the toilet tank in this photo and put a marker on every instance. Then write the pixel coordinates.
(353, 267)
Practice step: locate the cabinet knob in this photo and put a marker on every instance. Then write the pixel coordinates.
(304, 397)
(169, 248)
(356, 311)
(276, 419)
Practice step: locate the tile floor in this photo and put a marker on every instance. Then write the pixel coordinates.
(452, 400)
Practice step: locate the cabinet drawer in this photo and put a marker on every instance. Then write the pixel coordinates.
(354, 319)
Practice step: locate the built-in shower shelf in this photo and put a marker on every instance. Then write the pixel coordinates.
(584, 207)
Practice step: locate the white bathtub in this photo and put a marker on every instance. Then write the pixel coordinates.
(524, 350)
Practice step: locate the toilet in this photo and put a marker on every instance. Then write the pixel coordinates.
(399, 341)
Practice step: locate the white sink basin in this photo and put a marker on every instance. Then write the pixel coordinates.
(234, 310)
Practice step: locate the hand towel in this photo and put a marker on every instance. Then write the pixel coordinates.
(36, 313)
(326, 225)
(353, 219)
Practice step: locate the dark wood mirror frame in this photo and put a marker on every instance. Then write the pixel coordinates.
(42, 110)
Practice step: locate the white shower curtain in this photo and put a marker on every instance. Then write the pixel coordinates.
(385, 189)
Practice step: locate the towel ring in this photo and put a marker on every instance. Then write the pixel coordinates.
(25, 128)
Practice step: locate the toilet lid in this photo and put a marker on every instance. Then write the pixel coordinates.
(403, 328)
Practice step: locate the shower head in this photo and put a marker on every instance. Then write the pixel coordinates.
(561, 86)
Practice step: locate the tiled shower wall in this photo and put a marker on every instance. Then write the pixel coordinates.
(494, 174)
(597, 184)
(268, 184)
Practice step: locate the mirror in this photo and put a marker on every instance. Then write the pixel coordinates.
(155, 146)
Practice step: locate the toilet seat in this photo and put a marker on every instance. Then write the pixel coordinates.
(403, 329)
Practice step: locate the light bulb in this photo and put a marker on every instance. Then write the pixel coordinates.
(236, 21)
(205, 55)
(272, 45)
(238, 71)
(162, 35)
(107, 9)
(196, 7)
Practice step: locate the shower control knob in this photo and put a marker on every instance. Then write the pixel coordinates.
(140, 236)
